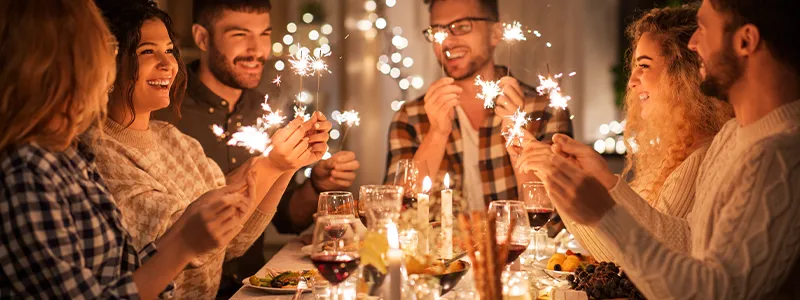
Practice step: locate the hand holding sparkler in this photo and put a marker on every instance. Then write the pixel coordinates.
(290, 148)
(489, 91)
(317, 129)
(442, 96)
(511, 100)
(337, 172)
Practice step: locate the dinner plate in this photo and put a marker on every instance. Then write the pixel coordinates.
(306, 249)
(283, 290)
(556, 274)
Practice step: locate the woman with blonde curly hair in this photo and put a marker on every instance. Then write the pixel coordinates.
(670, 125)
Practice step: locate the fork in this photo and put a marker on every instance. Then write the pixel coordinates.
(301, 285)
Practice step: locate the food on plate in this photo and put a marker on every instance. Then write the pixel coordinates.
(568, 262)
(429, 266)
(286, 279)
(604, 281)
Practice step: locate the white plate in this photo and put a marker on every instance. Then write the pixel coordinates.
(272, 290)
(557, 274)
(306, 249)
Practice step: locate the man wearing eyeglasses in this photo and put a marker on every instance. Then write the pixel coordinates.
(448, 130)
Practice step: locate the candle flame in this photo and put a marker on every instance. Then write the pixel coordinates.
(392, 236)
(446, 180)
(427, 184)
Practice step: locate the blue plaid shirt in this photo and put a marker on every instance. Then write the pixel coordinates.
(60, 231)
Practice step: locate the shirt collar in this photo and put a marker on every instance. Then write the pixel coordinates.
(201, 93)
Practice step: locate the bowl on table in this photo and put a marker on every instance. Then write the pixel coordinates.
(449, 280)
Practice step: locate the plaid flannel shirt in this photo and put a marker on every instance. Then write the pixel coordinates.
(411, 123)
(60, 232)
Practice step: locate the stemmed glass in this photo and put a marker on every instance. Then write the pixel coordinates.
(335, 248)
(406, 176)
(540, 211)
(506, 212)
(336, 203)
(379, 202)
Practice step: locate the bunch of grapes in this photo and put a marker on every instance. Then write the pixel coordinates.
(604, 281)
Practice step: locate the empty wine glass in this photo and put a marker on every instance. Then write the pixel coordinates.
(335, 248)
(539, 209)
(336, 203)
(506, 213)
(379, 202)
(407, 177)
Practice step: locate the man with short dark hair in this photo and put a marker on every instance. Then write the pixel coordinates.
(448, 130)
(744, 226)
(234, 40)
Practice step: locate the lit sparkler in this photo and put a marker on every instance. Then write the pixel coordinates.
(300, 61)
(489, 91)
(440, 36)
(300, 112)
(254, 138)
(277, 80)
(513, 32)
(515, 131)
(218, 131)
(349, 117)
(318, 65)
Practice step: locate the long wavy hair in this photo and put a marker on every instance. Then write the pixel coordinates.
(125, 19)
(683, 117)
(57, 59)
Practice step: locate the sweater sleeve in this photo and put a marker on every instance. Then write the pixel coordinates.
(753, 244)
(251, 230)
(665, 221)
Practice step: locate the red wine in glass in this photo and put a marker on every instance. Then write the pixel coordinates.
(538, 217)
(335, 267)
(409, 201)
(514, 251)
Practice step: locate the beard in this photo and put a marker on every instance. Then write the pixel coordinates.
(722, 70)
(226, 74)
(473, 66)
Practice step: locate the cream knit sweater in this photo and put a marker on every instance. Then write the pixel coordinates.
(154, 175)
(744, 228)
(676, 199)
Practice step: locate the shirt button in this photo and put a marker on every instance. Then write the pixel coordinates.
(224, 103)
(211, 110)
(233, 160)
(239, 124)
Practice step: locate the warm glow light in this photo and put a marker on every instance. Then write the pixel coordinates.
(408, 62)
(313, 35)
(327, 29)
(426, 184)
(370, 5)
(291, 27)
(380, 23)
(392, 236)
(277, 48)
(288, 39)
(447, 180)
(308, 18)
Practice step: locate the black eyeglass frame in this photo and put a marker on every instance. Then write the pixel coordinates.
(428, 32)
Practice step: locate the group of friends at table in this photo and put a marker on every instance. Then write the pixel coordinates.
(113, 185)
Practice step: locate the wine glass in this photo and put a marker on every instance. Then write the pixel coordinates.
(335, 248)
(539, 209)
(506, 213)
(379, 202)
(406, 176)
(336, 203)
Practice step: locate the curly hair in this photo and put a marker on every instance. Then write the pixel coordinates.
(125, 20)
(684, 117)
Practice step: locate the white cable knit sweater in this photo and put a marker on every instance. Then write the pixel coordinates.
(744, 228)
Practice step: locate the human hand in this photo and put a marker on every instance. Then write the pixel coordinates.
(586, 159)
(512, 99)
(574, 192)
(290, 148)
(211, 221)
(441, 98)
(317, 129)
(336, 172)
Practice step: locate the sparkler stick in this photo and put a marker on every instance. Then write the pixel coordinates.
(317, 66)
(439, 37)
(512, 33)
(349, 118)
(301, 65)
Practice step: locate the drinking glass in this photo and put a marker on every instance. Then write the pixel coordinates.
(506, 213)
(335, 248)
(379, 202)
(407, 176)
(336, 203)
(539, 209)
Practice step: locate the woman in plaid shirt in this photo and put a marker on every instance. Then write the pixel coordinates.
(60, 231)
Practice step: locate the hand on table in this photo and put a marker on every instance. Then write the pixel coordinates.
(573, 191)
(336, 173)
(441, 98)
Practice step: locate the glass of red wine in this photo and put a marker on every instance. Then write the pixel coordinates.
(508, 212)
(539, 209)
(407, 177)
(335, 248)
(377, 203)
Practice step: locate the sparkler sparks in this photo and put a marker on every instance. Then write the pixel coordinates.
(440, 36)
(349, 117)
(513, 32)
(317, 62)
(515, 131)
(489, 91)
(547, 85)
(218, 131)
(301, 63)
(254, 138)
(277, 80)
(300, 111)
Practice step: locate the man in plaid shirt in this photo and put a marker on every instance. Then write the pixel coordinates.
(448, 130)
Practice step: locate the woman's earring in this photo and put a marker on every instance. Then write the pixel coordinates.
(110, 89)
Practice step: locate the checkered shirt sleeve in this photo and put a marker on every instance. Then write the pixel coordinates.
(59, 230)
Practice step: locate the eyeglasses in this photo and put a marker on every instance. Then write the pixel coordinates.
(456, 28)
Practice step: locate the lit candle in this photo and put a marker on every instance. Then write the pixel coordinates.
(446, 251)
(394, 259)
(423, 214)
